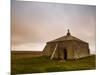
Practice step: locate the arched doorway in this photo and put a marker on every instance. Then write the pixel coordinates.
(65, 53)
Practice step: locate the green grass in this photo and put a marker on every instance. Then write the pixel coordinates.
(22, 65)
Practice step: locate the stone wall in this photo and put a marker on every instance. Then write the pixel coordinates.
(74, 49)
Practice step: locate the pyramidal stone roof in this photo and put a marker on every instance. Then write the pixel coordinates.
(66, 38)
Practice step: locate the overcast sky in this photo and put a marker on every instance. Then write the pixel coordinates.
(35, 23)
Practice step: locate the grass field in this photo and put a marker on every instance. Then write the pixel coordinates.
(27, 63)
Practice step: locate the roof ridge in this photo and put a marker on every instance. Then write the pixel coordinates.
(64, 38)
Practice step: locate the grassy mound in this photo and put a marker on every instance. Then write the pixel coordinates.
(44, 64)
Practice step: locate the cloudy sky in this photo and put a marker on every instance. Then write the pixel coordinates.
(35, 23)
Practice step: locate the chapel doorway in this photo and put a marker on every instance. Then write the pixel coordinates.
(65, 54)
